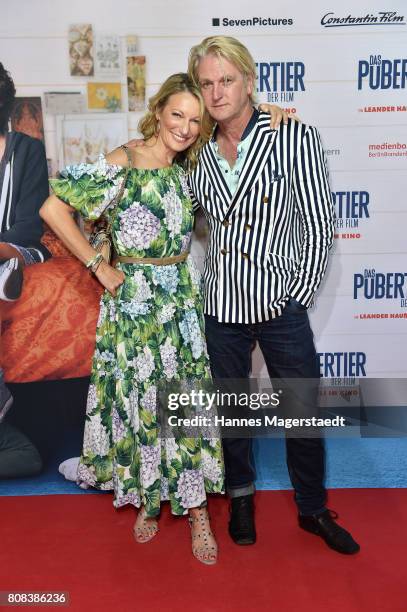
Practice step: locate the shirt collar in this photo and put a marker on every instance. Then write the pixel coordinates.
(252, 122)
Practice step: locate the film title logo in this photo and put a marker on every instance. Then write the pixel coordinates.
(372, 285)
(342, 364)
(280, 80)
(380, 73)
(350, 208)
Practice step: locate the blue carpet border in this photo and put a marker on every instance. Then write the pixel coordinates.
(351, 463)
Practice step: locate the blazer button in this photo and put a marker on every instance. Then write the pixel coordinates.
(248, 226)
(245, 256)
(223, 251)
(225, 223)
(265, 199)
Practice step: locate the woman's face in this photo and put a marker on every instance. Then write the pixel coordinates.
(179, 121)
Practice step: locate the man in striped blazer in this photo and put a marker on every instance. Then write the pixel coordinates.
(267, 200)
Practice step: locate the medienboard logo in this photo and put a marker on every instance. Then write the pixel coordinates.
(388, 149)
(251, 22)
(381, 18)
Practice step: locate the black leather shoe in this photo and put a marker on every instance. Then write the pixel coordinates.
(335, 536)
(241, 524)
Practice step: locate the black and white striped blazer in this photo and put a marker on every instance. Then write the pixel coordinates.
(270, 241)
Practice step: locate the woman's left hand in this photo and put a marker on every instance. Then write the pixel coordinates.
(109, 277)
(278, 115)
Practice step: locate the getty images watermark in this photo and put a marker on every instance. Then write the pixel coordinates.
(255, 408)
(245, 413)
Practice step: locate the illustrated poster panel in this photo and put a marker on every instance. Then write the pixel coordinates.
(136, 82)
(107, 57)
(26, 117)
(81, 50)
(82, 138)
(104, 96)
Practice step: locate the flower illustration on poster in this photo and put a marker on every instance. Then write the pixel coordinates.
(104, 96)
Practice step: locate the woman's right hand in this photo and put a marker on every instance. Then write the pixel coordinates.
(109, 277)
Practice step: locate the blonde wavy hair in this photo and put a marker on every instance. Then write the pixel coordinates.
(230, 49)
(148, 125)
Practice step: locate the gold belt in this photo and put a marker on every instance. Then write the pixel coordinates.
(156, 261)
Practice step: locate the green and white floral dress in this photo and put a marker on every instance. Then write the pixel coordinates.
(151, 331)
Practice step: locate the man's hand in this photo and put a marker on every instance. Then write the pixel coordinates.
(135, 142)
(109, 277)
(277, 115)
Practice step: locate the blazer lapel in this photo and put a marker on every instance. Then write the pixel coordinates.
(257, 156)
(214, 173)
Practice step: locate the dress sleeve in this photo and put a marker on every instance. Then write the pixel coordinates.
(89, 188)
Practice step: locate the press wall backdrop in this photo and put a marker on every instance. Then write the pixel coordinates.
(341, 66)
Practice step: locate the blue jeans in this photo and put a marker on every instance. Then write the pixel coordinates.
(287, 345)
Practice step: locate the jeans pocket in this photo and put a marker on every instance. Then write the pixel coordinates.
(295, 305)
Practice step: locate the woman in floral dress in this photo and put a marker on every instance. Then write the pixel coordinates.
(150, 327)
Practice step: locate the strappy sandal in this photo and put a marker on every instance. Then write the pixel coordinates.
(144, 529)
(200, 541)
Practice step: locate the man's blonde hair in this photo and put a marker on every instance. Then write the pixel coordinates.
(230, 49)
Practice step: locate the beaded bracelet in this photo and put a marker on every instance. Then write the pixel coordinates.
(94, 263)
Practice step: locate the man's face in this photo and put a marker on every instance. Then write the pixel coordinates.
(225, 90)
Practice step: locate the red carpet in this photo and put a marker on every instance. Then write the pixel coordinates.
(82, 545)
